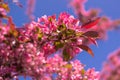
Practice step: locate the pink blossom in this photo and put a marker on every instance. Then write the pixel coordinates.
(105, 23)
(111, 67)
(40, 49)
(30, 8)
(2, 12)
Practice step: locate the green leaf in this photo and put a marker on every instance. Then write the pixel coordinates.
(82, 71)
(39, 33)
(86, 48)
(14, 33)
(92, 34)
(69, 66)
(74, 40)
(66, 55)
(38, 30)
(40, 36)
(58, 44)
(79, 33)
(70, 32)
(62, 27)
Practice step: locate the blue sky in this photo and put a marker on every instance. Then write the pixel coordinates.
(50, 7)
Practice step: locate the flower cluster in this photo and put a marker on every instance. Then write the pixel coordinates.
(111, 68)
(29, 50)
(39, 68)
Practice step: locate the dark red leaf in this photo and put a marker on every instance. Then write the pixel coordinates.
(93, 41)
(92, 34)
(86, 48)
(90, 23)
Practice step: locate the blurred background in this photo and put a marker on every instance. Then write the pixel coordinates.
(108, 8)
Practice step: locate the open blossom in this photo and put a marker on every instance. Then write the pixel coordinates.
(3, 31)
(69, 20)
(111, 68)
(91, 74)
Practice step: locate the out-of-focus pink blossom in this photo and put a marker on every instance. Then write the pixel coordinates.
(111, 68)
(30, 8)
(78, 6)
(105, 24)
(2, 12)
